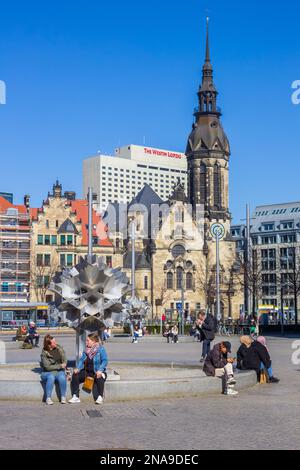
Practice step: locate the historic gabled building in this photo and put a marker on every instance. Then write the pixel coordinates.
(59, 236)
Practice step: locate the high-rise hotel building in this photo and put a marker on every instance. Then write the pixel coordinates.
(120, 177)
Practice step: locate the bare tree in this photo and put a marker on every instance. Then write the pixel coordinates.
(250, 278)
(41, 276)
(205, 281)
(289, 281)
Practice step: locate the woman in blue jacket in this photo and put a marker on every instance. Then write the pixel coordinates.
(92, 363)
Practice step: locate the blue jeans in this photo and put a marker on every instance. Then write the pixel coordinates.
(270, 370)
(205, 347)
(50, 377)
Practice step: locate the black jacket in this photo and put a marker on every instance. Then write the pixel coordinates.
(214, 360)
(256, 354)
(208, 328)
(241, 356)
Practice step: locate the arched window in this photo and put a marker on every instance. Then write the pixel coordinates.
(179, 278)
(217, 187)
(189, 281)
(169, 280)
(203, 188)
(178, 250)
(146, 282)
(179, 215)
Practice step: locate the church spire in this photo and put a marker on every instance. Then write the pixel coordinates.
(208, 149)
(207, 93)
(207, 55)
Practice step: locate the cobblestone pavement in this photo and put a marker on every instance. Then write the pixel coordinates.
(263, 417)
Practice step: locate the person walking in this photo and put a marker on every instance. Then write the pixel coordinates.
(92, 364)
(206, 325)
(53, 363)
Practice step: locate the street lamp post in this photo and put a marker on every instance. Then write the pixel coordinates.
(217, 231)
(182, 308)
(282, 311)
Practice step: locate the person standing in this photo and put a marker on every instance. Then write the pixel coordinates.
(92, 363)
(53, 363)
(206, 325)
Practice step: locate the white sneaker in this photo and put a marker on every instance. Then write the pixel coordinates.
(63, 400)
(49, 401)
(231, 381)
(99, 400)
(232, 392)
(74, 399)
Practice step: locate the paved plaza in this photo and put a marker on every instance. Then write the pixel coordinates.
(262, 417)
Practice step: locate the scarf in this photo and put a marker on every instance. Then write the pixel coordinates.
(262, 340)
(91, 352)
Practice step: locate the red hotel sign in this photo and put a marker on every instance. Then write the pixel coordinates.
(161, 153)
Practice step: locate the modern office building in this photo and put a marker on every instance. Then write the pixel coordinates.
(275, 241)
(120, 177)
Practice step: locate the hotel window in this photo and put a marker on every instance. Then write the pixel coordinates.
(40, 239)
(268, 227)
(53, 239)
(62, 260)
(63, 240)
(47, 239)
(70, 240)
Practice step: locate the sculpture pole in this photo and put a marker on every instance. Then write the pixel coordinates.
(133, 259)
(81, 337)
(90, 225)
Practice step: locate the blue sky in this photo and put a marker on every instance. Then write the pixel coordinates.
(88, 76)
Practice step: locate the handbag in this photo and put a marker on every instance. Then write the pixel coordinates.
(88, 384)
(263, 377)
(88, 381)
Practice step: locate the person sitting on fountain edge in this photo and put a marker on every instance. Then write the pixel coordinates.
(217, 364)
(92, 363)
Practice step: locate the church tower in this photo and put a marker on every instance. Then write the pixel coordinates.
(208, 151)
